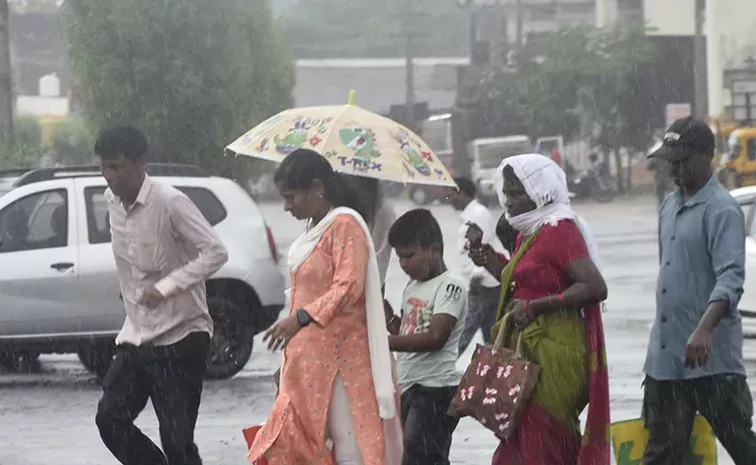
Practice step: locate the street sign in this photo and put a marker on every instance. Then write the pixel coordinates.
(676, 111)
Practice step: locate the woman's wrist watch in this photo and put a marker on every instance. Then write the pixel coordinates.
(303, 317)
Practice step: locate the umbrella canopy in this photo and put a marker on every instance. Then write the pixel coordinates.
(355, 141)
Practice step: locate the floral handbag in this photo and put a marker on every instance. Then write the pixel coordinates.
(497, 386)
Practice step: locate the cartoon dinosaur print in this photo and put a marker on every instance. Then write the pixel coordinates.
(361, 141)
(294, 139)
(411, 155)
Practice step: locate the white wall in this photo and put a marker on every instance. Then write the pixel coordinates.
(735, 22)
(33, 105)
(670, 17)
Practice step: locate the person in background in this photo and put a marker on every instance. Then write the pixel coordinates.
(663, 184)
(164, 251)
(379, 215)
(483, 298)
(336, 379)
(426, 338)
(556, 156)
(695, 353)
(551, 290)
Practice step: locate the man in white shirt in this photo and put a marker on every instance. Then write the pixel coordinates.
(483, 298)
(378, 213)
(164, 251)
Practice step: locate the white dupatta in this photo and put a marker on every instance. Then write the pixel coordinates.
(546, 185)
(381, 359)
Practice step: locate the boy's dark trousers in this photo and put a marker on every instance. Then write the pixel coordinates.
(427, 428)
(171, 376)
(669, 408)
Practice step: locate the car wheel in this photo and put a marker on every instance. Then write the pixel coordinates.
(231, 345)
(97, 357)
(420, 196)
(604, 195)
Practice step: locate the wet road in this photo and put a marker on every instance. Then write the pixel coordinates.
(49, 417)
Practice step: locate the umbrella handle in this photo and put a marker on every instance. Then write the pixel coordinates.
(352, 96)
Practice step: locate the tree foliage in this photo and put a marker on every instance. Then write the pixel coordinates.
(26, 149)
(71, 143)
(34, 6)
(194, 74)
(578, 77)
(375, 28)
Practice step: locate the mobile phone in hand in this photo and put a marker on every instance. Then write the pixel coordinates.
(474, 235)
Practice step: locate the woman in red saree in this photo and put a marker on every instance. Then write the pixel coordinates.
(553, 291)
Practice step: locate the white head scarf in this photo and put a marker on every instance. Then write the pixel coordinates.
(546, 184)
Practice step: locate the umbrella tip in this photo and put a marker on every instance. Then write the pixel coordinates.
(352, 96)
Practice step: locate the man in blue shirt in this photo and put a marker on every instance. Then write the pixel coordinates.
(695, 354)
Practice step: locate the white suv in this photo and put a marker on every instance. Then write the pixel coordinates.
(58, 287)
(746, 197)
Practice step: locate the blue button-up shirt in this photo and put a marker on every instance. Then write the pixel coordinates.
(702, 254)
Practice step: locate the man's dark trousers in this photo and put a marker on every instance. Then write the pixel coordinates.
(171, 376)
(482, 306)
(670, 407)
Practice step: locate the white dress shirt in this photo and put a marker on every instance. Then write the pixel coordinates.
(163, 240)
(476, 213)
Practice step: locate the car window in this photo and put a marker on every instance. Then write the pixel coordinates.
(752, 149)
(209, 205)
(746, 208)
(37, 221)
(98, 219)
(749, 215)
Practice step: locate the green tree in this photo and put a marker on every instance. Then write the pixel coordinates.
(615, 101)
(194, 74)
(360, 28)
(34, 6)
(575, 76)
(71, 142)
(26, 148)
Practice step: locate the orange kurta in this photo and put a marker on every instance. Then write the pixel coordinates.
(330, 285)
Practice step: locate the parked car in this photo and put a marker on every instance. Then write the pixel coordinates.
(746, 197)
(58, 283)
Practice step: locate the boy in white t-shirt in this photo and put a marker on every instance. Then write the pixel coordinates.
(426, 338)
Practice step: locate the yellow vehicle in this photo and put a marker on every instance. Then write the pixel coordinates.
(737, 165)
(722, 128)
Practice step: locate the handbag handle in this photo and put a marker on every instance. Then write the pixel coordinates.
(499, 342)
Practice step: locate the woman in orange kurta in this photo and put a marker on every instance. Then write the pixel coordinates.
(328, 387)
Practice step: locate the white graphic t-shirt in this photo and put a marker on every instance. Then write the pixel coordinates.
(444, 294)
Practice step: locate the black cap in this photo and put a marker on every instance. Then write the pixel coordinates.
(685, 137)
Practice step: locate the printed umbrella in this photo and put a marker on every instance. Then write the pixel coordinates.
(354, 140)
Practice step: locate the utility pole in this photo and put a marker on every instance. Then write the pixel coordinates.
(409, 52)
(519, 28)
(699, 66)
(6, 85)
(714, 67)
